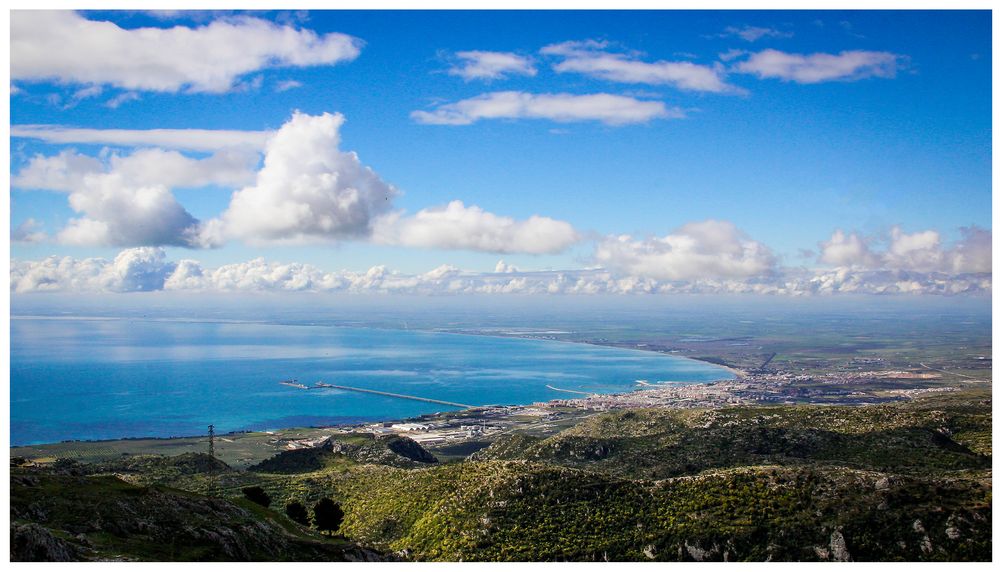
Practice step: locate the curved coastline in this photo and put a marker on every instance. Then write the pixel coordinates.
(736, 372)
(527, 401)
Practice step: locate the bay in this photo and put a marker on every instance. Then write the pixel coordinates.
(91, 379)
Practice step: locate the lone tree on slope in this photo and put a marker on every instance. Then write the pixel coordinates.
(297, 512)
(327, 515)
(257, 495)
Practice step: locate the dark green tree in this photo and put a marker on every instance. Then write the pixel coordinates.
(297, 512)
(257, 495)
(327, 515)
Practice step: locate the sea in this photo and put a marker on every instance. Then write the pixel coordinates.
(112, 378)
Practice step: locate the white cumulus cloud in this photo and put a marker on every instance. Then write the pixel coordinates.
(855, 281)
(504, 268)
(593, 59)
(913, 252)
(146, 269)
(456, 226)
(973, 253)
(120, 213)
(562, 107)
(848, 250)
(67, 170)
(699, 250)
(126, 200)
(61, 172)
(477, 64)
(135, 269)
(920, 251)
(67, 47)
(820, 67)
(308, 189)
(260, 275)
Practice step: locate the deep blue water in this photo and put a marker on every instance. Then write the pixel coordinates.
(114, 378)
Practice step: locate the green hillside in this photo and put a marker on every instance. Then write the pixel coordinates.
(904, 481)
(64, 515)
(666, 443)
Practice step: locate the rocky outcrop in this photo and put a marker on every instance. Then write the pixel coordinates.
(406, 448)
(700, 554)
(34, 543)
(391, 450)
(838, 547)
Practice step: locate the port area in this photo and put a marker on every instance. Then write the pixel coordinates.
(448, 435)
(464, 431)
(455, 433)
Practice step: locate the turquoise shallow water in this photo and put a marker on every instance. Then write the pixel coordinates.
(115, 378)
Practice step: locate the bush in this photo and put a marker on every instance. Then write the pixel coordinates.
(297, 512)
(257, 495)
(327, 515)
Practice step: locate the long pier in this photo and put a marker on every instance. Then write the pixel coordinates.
(587, 393)
(321, 385)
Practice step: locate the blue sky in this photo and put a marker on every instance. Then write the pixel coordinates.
(788, 152)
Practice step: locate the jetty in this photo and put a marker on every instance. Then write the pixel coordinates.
(322, 385)
(587, 393)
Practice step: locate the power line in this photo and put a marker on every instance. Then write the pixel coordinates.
(211, 441)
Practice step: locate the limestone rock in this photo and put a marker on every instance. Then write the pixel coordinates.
(34, 543)
(838, 547)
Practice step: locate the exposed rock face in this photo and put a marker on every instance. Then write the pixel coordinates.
(392, 450)
(407, 448)
(952, 531)
(838, 547)
(34, 543)
(699, 554)
(925, 543)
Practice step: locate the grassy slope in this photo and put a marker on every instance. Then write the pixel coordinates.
(919, 437)
(517, 510)
(103, 517)
(896, 482)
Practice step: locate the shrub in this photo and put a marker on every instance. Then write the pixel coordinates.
(297, 512)
(327, 515)
(257, 495)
